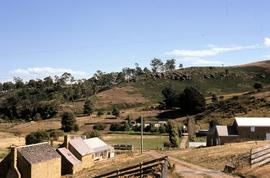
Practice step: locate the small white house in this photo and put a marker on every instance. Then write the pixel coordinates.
(100, 149)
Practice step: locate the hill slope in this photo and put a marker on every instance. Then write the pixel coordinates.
(219, 80)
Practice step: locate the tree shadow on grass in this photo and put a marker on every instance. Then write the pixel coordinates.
(172, 114)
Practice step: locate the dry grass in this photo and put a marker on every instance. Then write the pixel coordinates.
(216, 157)
(120, 95)
(120, 161)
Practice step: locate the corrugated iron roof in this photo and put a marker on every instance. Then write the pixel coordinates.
(253, 121)
(69, 156)
(97, 145)
(79, 144)
(38, 152)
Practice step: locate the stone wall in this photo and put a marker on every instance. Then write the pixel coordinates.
(47, 169)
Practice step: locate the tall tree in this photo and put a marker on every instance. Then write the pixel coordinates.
(88, 107)
(68, 122)
(173, 134)
(157, 65)
(170, 65)
(170, 97)
(192, 101)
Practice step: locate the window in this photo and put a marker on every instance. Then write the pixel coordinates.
(252, 129)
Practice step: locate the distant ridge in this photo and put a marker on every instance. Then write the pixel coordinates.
(264, 64)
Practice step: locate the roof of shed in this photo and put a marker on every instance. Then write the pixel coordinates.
(253, 121)
(79, 144)
(97, 145)
(36, 153)
(224, 130)
(69, 156)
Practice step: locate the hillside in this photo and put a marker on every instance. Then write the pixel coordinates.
(208, 80)
(41, 98)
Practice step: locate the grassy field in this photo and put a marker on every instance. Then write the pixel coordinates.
(150, 142)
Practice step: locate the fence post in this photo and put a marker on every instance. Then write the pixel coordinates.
(165, 168)
(118, 172)
(141, 170)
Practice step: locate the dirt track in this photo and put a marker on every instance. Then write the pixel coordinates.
(189, 170)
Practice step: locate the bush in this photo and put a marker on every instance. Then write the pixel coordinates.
(214, 98)
(55, 134)
(36, 137)
(99, 126)
(162, 129)
(100, 113)
(92, 134)
(88, 107)
(115, 112)
(69, 122)
(116, 127)
(258, 86)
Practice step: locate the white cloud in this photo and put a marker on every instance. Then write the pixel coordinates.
(212, 51)
(41, 72)
(267, 42)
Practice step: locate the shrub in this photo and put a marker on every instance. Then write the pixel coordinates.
(258, 86)
(100, 113)
(214, 98)
(92, 134)
(68, 122)
(55, 134)
(115, 112)
(162, 129)
(36, 137)
(99, 126)
(116, 127)
(88, 107)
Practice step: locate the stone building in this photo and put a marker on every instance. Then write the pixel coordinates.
(31, 161)
(80, 150)
(70, 164)
(242, 129)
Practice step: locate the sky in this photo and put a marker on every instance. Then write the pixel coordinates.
(42, 38)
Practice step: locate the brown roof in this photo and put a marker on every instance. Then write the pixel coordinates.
(69, 156)
(38, 153)
(79, 144)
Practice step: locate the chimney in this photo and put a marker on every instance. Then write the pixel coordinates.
(66, 141)
(13, 171)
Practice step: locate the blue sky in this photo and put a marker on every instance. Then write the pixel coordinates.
(40, 38)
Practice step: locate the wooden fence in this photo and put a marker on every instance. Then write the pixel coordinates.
(123, 147)
(260, 156)
(141, 169)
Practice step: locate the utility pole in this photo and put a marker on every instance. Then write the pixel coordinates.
(142, 127)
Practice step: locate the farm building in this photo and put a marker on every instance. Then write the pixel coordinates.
(70, 164)
(80, 150)
(99, 148)
(28, 161)
(242, 129)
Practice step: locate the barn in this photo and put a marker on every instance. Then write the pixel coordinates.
(242, 129)
(28, 161)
